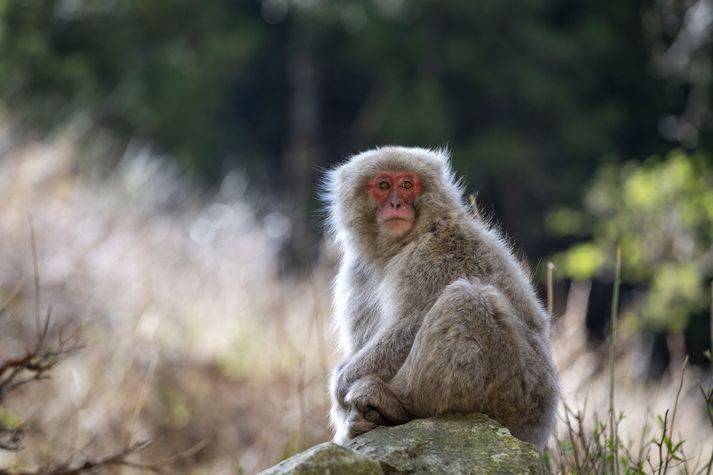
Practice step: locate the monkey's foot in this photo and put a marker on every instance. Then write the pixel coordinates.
(360, 422)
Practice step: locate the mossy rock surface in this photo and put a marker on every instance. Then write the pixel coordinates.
(453, 444)
(327, 458)
(472, 444)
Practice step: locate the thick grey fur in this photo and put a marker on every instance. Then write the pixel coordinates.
(442, 319)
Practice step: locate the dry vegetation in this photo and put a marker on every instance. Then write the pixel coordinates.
(192, 340)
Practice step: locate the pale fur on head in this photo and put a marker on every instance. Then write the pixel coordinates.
(352, 218)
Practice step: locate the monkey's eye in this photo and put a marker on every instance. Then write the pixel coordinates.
(383, 185)
(407, 185)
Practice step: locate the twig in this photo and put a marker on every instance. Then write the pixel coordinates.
(684, 366)
(612, 360)
(11, 439)
(141, 399)
(586, 444)
(114, 460)
(671, 447)
(663, 422)
(13, 293)
(36, 280)
(189, 452)
(575, 452)
(708, 398)
(319, 325)
(643, 446)
(550, 290)
(37, 362)
(708, 393)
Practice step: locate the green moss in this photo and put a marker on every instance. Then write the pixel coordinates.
(326, 458)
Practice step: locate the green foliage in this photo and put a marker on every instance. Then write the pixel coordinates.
(153, 70)
(661, 213)
(528, 95)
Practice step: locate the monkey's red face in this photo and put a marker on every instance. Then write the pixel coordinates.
(394, 194)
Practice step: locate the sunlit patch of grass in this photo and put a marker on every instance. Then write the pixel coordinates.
(588, 443)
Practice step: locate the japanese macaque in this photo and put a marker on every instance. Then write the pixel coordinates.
(434, 313)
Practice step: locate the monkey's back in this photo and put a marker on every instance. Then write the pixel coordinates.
(448, 250)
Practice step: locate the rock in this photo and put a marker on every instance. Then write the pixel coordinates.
(452, 444)
(327, 458)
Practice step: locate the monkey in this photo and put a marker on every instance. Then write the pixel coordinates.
(433, 312)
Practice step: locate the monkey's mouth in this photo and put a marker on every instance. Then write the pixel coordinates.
(396, 214)
(397, 222)
(397, 225)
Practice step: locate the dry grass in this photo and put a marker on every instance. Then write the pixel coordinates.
(192, 337)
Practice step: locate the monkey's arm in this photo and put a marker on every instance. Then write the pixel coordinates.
(381, 357)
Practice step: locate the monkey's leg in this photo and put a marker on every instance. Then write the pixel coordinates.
(466, 357)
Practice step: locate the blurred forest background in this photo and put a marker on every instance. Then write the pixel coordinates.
(167, 152)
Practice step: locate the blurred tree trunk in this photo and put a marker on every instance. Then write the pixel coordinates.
(302, 153)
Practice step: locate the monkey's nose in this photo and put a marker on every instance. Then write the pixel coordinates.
(395, 205)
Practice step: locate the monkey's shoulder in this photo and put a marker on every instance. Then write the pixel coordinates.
(446, 240)
(443, 252)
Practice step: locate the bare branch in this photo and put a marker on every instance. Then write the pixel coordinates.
(35, 277)
(118, 459)
(10, 439)
(36, 363)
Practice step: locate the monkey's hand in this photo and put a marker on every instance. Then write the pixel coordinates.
(354, 417)
(348, 373)
(376, 401)
(380, 358)
(360, 422)
(368, 362)
(361, 416)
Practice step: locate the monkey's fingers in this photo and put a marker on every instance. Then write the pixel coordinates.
(373, 415)
(357, 423)
(370, 394)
